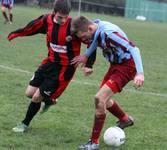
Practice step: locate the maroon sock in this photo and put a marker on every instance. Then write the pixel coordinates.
(116, 110)
(11, 17)
(97, 127)
(5, 16)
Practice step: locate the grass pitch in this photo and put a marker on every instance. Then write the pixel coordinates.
(69, 123)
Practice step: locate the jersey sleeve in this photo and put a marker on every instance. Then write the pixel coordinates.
(36, 26)
(91, 49)
(135, 52)
(91, 60)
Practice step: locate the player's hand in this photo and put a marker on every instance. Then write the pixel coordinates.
(81, 59)
(87, 71)
(139, 80)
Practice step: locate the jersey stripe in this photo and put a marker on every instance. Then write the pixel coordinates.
(54, 40)
(114, 40)
(70, 53)
(62, 41)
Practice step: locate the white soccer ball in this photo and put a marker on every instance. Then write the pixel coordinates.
(114, 136)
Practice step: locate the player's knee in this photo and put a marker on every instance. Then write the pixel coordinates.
(36, 98)
(3, 9)
(100, 112)
(100, 106)
(28, 94)
(109, 103)
(98, 100)
(30, 91)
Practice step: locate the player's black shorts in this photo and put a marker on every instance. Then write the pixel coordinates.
(52, 79)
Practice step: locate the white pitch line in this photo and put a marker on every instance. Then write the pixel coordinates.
(147, 93)
(15, 69)
(129, 90)
(86, 83)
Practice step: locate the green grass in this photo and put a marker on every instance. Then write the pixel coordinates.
(69, 123)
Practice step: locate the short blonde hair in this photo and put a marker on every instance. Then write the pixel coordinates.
(80, 23)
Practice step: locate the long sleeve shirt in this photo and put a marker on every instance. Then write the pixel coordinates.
(114, 44)
(62, 46)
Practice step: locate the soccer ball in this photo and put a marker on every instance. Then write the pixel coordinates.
(114, 136)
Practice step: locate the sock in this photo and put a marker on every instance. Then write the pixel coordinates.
(48, 101)
(5, 16)
(31, 112)
(97, 127)
(116, 110)
(11, 17)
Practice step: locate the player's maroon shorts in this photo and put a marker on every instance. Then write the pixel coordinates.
(7, 5)
(52, 79)
(121, 74)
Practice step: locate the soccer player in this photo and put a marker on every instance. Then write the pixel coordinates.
(55, 72)
(125, 65)
(7, 4)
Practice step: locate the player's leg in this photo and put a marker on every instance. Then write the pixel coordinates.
(124, 119)
(34, 106)
(47, 89)
(32, 92)
(48, 102)
(115, 109)
(116, 78)
(32, 110)
(39, 88)
(10, 15)
(3, 8)
(53, 99)
(112, 83)
(62, 77)
(101, 98)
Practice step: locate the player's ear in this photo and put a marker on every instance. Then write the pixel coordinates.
(89, 28)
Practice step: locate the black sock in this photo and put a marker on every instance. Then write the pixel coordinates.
(11, 17)
(5, 16)
(31, 112)
(48, 101)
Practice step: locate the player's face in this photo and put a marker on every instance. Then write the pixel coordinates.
(61, 18)
(85, 36)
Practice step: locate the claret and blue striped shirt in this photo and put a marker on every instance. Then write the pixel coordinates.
(114, 44)
(7, 2)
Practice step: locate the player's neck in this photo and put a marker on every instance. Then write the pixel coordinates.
(54, 20)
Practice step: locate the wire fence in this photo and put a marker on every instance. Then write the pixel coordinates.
(90, 6)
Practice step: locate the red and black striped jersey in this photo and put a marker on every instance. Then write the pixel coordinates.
(62, 46)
